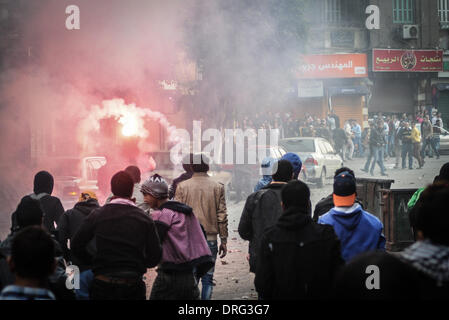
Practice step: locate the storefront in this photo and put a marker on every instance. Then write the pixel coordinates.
(333, 82)
(440, 92)
(442, 102)
(393, 96)
(401, 79)
(349, 103)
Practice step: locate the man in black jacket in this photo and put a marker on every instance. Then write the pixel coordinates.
(29, 213)
(340, 139)
(297, 258)
(71, 221)
(52, 206)
(377, 143)
(68, 225)
(324, 205)
(404, 135)
(263, 208)
(127, 244)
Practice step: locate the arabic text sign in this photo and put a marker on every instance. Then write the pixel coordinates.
(333, 66)
(407, 60)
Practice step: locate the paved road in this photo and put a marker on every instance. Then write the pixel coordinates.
(233, 280)
(232, 277)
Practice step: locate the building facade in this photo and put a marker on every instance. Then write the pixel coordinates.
(410, 30)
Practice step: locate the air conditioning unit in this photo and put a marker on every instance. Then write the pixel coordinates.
(410, 31)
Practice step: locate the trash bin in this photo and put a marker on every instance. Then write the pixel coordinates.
(368, 192)
(395, 219)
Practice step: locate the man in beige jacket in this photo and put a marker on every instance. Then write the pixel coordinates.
(207, 198)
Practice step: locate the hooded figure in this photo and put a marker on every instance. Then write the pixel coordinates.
(297, 258)
(358, 230)
(52, 206)
(266, 168)
(296, 162)
(29, 212)
(70, 222)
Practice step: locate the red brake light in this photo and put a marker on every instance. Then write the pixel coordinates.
(312, 161)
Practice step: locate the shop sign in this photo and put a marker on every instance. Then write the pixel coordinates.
(321, 66)
(392, 60)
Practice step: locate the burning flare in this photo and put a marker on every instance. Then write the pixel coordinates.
(130, 125)
(131, 117)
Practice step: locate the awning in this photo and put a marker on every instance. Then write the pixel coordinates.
(349, 90)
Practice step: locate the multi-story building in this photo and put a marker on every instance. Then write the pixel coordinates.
(403, 56)
(336, 59)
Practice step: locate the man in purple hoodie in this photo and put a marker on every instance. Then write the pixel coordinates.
(359, 231)
(185, 253)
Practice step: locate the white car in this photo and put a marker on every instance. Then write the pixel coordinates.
(72, 174)
(317, 155)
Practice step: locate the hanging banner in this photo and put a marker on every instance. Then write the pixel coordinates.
(319, 66)
(385, 60)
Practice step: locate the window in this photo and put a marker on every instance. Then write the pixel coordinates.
(298, 145)
(322, 147)
(329, 148)
(341, 13)
(332, 11)
(443, 11)
(403, 11)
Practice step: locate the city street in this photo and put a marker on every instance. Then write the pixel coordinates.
(133, 134)
(232, 277)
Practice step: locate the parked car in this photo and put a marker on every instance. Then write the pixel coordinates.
(73, 174)
(318, 157)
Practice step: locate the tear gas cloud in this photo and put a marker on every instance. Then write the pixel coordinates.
(57, 83)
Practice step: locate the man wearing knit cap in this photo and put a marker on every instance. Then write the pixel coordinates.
(266, 168)
(185, 253)
(207, 199)
(358, 230)
(52, 206)
(127, 244)
(296, 162)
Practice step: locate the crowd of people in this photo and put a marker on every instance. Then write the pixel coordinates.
(402, 138)
(181, 229)
(350, 140)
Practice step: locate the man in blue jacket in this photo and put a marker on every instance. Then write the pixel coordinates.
(358, 230)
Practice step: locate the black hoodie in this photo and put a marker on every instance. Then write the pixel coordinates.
(262, 210)
(297, 258)
(69, 224)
